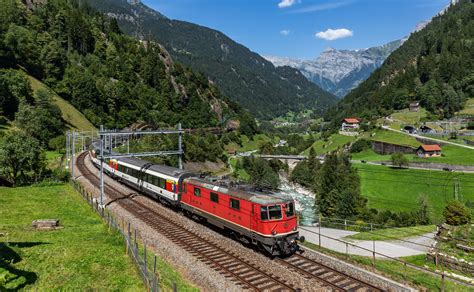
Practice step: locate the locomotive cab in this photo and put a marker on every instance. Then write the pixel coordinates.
(274, 217)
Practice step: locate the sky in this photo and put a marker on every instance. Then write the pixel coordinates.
(304, 28)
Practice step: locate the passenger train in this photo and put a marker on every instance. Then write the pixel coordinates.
(263, 219)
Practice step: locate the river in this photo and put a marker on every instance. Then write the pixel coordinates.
(304, 201)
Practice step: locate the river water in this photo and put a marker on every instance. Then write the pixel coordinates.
(304, 201)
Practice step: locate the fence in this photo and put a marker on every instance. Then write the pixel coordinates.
(135, 244)
(370, 253)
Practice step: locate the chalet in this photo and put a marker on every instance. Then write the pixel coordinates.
(429, 151)
(415, 106)
(426, 130)
(409, 129)
(349, 124)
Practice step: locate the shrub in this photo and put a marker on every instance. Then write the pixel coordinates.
(455, 213)
(360, 145)
(398, 159)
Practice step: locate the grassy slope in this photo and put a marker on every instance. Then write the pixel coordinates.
(392, 233)
(398, 189)
(334, 142)
(394, 138)
(70, 114)
(469, 108)
(81, 255)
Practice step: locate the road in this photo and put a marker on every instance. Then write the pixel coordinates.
(393, 248)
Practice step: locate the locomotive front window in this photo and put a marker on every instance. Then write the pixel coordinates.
(290, 210)
(274, 212)
(264, 213)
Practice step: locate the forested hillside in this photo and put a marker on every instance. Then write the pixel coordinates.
(112, 78)
(434, 66)
(241, 74)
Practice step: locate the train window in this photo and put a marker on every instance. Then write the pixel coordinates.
(197, 192)
(274, 212)
(162, 183)
(214, 197)
(235, 204)
(184, 187)
(290, 209)
(264, 212)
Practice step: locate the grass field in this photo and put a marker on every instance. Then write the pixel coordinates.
(70, 114)
(393, 233)
(334, 142)
(451, 155)
(82, 255)
(399, 189)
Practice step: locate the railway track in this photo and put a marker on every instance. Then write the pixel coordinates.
(233, 267)
(338, 281)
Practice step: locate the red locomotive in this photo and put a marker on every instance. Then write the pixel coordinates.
(264, 219)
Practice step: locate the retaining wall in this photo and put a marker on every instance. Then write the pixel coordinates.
(388, 148)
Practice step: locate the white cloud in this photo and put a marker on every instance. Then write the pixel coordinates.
(323, 6)
(334, 34)
(285, 32)
(286, 3)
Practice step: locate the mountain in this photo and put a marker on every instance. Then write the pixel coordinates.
(113, 79)
(239, 73)
(340, 71)
(434, 66)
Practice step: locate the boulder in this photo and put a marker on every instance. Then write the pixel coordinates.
(46, 224)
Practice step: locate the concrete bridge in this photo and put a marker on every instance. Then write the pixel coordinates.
(282, 157)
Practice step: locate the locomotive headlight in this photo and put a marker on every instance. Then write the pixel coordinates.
(274, 232)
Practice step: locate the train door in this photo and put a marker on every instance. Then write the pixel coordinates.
(254, 219)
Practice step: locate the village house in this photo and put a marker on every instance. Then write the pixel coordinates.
(425, 151)
(415, 106)
(349, 124)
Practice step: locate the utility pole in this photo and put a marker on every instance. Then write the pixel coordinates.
(101, 167)
(72, 152)
(180, 148)
(67, 149)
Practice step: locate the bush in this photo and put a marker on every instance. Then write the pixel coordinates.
(360, 145)
(398, 159)
(470, 125)
(455, 213)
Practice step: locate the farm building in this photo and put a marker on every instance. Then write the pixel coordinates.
(426, 130)
(415, 106)
(350, 124)
(429, 151)
(409, 129)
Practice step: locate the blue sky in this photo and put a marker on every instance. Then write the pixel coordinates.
(301, 28)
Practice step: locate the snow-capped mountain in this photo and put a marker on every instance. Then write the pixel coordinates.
(339, 71)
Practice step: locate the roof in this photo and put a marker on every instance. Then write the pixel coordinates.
(430, 148)
(351, 120)
(415, 103)
(164, 169)
(263, 198)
